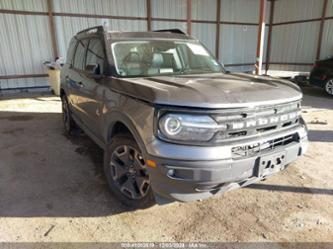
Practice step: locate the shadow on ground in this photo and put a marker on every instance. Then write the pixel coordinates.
(293, 189)
(46, 173)
(321, 136)
(316, 97)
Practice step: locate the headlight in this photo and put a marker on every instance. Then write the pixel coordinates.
(186, 127)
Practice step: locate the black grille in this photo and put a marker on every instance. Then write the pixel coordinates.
(256, 148)
(255, 121)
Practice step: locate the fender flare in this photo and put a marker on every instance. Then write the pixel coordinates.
(112, 119)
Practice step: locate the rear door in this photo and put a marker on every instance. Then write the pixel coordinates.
(75, 78)
(91, 93)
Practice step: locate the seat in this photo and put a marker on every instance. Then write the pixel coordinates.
(156, 64)
(132, 64)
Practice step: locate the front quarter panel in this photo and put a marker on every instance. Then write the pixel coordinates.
(136, 115)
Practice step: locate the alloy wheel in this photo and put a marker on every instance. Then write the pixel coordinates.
(329, 87)
(129, 172)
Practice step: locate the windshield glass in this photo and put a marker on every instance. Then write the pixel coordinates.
(149, 58)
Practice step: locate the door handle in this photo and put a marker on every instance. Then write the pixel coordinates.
(80, 84)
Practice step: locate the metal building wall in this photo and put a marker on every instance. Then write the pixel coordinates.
(68, 26)
(329, 12)
(293, 10)
(25, 44)
(238, 29)
(24, 5)
(238, 42)
(205, 32)
(327, 42)
(291, 43)
(294, 44)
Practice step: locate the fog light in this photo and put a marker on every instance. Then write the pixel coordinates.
(171, 172)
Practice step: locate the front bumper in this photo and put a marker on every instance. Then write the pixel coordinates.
(188, 173)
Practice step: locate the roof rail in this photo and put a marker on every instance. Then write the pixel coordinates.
(99, 29)
(177, 31)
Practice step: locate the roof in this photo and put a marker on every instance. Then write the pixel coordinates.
(118, 35)
(148, 35)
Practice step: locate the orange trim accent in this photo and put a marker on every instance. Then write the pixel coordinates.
(151, 164)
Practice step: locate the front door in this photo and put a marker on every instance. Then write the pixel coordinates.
(91, 93)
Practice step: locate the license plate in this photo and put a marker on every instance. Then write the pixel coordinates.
(270, 164)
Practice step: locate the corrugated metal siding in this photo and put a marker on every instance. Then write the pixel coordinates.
(25, 44)
(26, 5)
(204, 10)
(240, 10)
(329, 11)
(67, 27)
(156, 25)
(295, 42)
(206, 33)
(174, 9)
(102, 7)
(327, 42)
(286, 10)
(238, 44)
(295, 68)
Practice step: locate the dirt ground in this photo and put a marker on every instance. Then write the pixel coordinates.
(52, 188)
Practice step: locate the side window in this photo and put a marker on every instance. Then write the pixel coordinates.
(95, 56)
(80, 54)
(70, 51)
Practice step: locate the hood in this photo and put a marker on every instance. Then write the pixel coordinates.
(209, 91)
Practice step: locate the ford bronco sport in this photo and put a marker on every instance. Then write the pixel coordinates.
(173, 124)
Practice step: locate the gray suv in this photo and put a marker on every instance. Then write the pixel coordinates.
(173, 124)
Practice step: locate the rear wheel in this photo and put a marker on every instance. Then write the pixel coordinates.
(329, 87)
(126, 172)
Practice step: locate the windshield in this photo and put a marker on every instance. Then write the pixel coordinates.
(149, 58)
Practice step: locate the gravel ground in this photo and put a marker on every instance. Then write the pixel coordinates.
(52, 188)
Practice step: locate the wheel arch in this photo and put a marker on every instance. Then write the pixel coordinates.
(122, 124)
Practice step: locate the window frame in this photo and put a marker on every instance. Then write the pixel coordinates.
(104, 54)
(85, 53)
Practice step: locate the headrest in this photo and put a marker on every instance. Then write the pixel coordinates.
(133, 57)
(157, 60)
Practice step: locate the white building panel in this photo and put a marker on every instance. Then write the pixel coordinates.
(136, 8)
(67, 27)
(294, 10)
(295, 43)
(173, 9)
(25, 45)
(206, 33)
(327, 41)
(24, 5)
(238, 44)
(240, 10)
(204, 10)
(329, 11)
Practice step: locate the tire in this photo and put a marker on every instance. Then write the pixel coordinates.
(69, 124)
(126, 173)
(329, 87)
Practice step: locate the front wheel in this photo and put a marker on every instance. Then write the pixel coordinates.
(126, 173)
(329, 87)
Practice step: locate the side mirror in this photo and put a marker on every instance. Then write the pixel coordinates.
(94, 71)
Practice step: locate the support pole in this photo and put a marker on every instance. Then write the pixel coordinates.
(189, 17)
(149, 15)
(52, 29)
(321, 29)
(218, 20)
(261, 36)
(269, 38)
